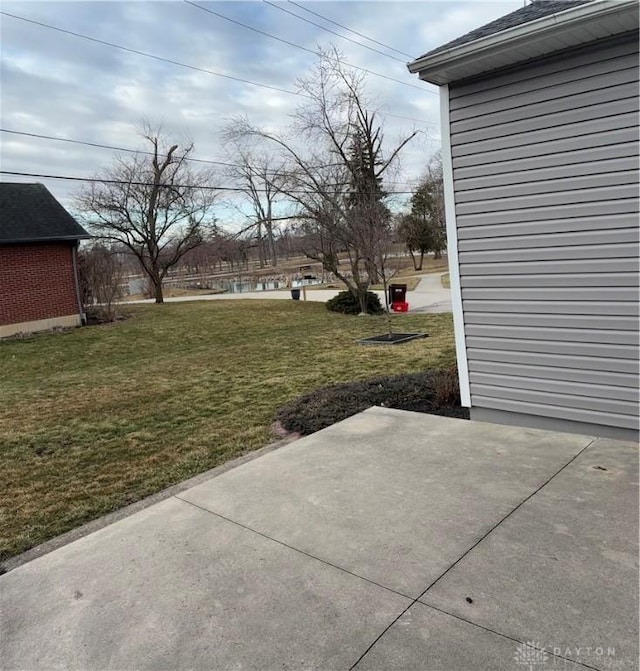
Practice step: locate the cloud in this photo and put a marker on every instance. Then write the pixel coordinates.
(60, 85)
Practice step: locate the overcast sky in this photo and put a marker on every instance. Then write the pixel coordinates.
(57, 84)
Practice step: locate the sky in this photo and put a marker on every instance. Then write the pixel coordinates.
(56, 84)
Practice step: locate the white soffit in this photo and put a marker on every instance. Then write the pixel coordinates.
(571, 28)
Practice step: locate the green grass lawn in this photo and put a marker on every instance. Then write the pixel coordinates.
(95, 418)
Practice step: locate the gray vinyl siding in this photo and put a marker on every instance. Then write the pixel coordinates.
(545, 168)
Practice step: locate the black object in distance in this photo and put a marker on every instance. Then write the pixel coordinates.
(397, 293)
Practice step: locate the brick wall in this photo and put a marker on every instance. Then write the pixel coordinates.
(36, 282)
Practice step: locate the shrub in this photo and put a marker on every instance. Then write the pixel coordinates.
(418, 392)
(446, 387)
(346, 303)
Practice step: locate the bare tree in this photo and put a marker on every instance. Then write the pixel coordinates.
(334, 162)
(258, 178)
(153, 202)
(100, 275)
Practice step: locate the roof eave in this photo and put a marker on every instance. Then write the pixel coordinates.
(56, 238)
(477, 56)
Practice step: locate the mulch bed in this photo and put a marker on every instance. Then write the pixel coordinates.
(432, 392)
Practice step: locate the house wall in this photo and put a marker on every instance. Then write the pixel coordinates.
(545, 174)
(37, 288)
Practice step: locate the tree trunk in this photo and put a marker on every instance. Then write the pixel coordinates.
(372, 271)
(362, 298)
(272, 244)
(437, 255)
(387, 308)
(421, 260)
(261, 254)
(157, 287)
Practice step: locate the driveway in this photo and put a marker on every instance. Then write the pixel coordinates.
(428, 296)
(392, 540)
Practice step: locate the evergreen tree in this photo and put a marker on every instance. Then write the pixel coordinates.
(369, 218)
(423, 229)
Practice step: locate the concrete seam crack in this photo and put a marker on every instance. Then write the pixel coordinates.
(469, 550)
(295, 549)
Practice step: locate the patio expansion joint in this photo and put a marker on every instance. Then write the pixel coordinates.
(498, 633)
(295, 549)
(466, 553)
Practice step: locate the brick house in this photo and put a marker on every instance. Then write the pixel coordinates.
(38, 270)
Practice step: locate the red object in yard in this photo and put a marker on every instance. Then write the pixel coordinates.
(400, 306)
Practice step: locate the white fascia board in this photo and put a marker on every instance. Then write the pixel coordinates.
(429, 67)
(452, 250)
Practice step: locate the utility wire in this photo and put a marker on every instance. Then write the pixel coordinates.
(131, 151)
(355, 32)
(333, 32)
(139, 151)
(148, 55)
(185, 65)
(107, 146)
(296, 46)
(174, 186)
(409, 118)
(255, 30)
(98, 180)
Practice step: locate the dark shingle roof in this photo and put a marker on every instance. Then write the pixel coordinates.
(30, 213)
(536, 10)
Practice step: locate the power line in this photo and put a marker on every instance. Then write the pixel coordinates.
(148, 55)
(132, 151)
(107, 146)
(333, 32)
(408, 118)
(116, 148)
(255, 30)
(355, 32)
(174, 186)
(98, 180)
(137, 151)
(186, 65)
(293, 44)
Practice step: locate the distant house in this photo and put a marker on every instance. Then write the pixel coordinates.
(38, 274)
(539, 113)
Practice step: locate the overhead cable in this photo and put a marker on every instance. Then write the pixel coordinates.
(135, 151)
(148, 55)
(98, 180)
(355, 32)
(296, 46)
(333, 32)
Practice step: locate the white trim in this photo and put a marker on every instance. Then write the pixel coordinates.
(479, 54)
(452, 250)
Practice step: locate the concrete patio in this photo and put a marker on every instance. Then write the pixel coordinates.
(392, 540)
